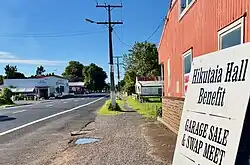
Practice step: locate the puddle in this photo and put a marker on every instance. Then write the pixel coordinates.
(86, 140)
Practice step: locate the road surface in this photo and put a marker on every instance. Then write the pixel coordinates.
(25, 131)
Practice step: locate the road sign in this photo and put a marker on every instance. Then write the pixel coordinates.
(214, 109)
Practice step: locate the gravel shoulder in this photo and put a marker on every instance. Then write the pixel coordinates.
(124, 139)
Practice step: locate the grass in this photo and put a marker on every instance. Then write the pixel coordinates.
(106, 108)
(147, 110)
(155, 99)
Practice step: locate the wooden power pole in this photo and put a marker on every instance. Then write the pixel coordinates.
(110, 24)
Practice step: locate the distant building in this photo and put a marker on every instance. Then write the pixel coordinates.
(77, 87)
(43, 86)
(148, 86)
(194, 28)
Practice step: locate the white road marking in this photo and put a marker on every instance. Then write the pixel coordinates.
(75, 100)
(65, 102)
(18, 107)
(19, 111)
(50, 105)
(48, 117)
(21, 106)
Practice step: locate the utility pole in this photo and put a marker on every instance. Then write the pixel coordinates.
(110, 24)
(118, 70)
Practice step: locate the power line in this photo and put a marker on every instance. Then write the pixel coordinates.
(121, 40)
(50, 35)
(161, 23)
(158, 27)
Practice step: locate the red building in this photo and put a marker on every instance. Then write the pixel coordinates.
(194, 28)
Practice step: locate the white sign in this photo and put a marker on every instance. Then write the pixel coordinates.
(60, 82)
(111, 67)
(214, 109)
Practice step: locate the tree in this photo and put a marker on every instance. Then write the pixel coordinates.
(107, 87)
(11, 72)
(19, 75)
(142, 60)
(94, 77)
(74, 71)
(1, 79)
(39, 71)
(129, 79)
(122, 84)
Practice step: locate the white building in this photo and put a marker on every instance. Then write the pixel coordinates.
(42, 87)
(148, 86)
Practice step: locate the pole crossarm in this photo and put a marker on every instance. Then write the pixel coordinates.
(105, 23)
(119, 63)
(106, 6)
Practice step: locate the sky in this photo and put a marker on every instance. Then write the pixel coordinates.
(49, 33)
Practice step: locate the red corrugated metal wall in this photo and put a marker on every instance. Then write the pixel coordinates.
(198, 29)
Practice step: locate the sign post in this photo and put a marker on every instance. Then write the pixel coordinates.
(214, 109)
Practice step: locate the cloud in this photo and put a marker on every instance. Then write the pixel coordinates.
(4, 55)
(9, 58)
(32, 62)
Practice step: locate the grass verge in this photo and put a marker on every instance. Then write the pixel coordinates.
(107, 110)
(147, 110)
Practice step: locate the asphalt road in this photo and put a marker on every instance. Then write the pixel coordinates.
(17, 121)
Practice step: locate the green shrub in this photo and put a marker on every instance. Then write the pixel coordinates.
(110, 107)
(5, 98)
(2, 101)
(5, 102)
(107, 109)
(118, 98)
(6, 93)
